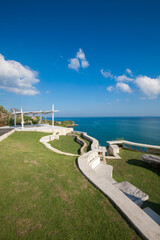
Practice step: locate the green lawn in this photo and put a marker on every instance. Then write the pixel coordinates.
(132, 169)
(66, 144)
(43, 196)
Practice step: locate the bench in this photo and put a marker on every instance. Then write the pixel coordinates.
(93, 160)
(133, 193)
(153, 160)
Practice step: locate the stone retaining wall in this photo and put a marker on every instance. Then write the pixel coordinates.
(95, 143)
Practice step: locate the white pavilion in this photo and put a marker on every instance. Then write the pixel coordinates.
(16, 113)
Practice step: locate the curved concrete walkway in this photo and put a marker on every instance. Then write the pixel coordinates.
(48, 138)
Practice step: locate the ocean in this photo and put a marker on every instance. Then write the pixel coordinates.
(136, 129)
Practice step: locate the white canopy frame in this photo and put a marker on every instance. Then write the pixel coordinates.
(34, 113)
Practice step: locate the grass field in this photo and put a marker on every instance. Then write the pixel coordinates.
(44, 196)
(66, 144)
(132, 169)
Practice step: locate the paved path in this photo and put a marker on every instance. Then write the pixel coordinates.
(5, 130)
(45, 141)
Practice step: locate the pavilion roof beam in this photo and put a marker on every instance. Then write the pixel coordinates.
(36, 112)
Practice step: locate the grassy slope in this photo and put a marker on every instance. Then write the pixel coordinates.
(66, 144)
(44, 196)
(132, 169)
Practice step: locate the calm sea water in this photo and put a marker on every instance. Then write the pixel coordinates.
(136, 129)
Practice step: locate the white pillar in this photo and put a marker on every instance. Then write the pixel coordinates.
(40, 118)
(53, 116)
(22, 122)
(15, 116)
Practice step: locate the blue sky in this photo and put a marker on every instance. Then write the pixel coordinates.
(89, 58)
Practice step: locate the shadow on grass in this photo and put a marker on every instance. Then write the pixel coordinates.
(89, 147)
(79, 150)
(154, 206)
(140, 163)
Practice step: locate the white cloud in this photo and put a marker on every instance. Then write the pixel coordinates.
(129, 72)
(124, 87)
(20, 91)
(124, 78)
(149, 86)
(79, 61)
(16, 78)
(80, 54)
(110, 88)
(84, 63)
(106, 74)
(74, 64)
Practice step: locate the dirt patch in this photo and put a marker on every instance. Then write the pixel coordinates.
(84, 183)
(69, 181)
(26, 225)
(63, 194)
(35, 162)
(60, 175)
(51, 234)
(76, 192)
(51, 180)
(36, 195)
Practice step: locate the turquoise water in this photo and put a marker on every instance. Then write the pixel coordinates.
(136, 129)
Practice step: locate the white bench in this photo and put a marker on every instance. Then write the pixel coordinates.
(135, 194)
(94, 160)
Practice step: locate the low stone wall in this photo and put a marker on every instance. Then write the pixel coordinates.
(81, 142)
(49, 138)
(6, 135)
(95, 143)
(136, 146)
(60, 130)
